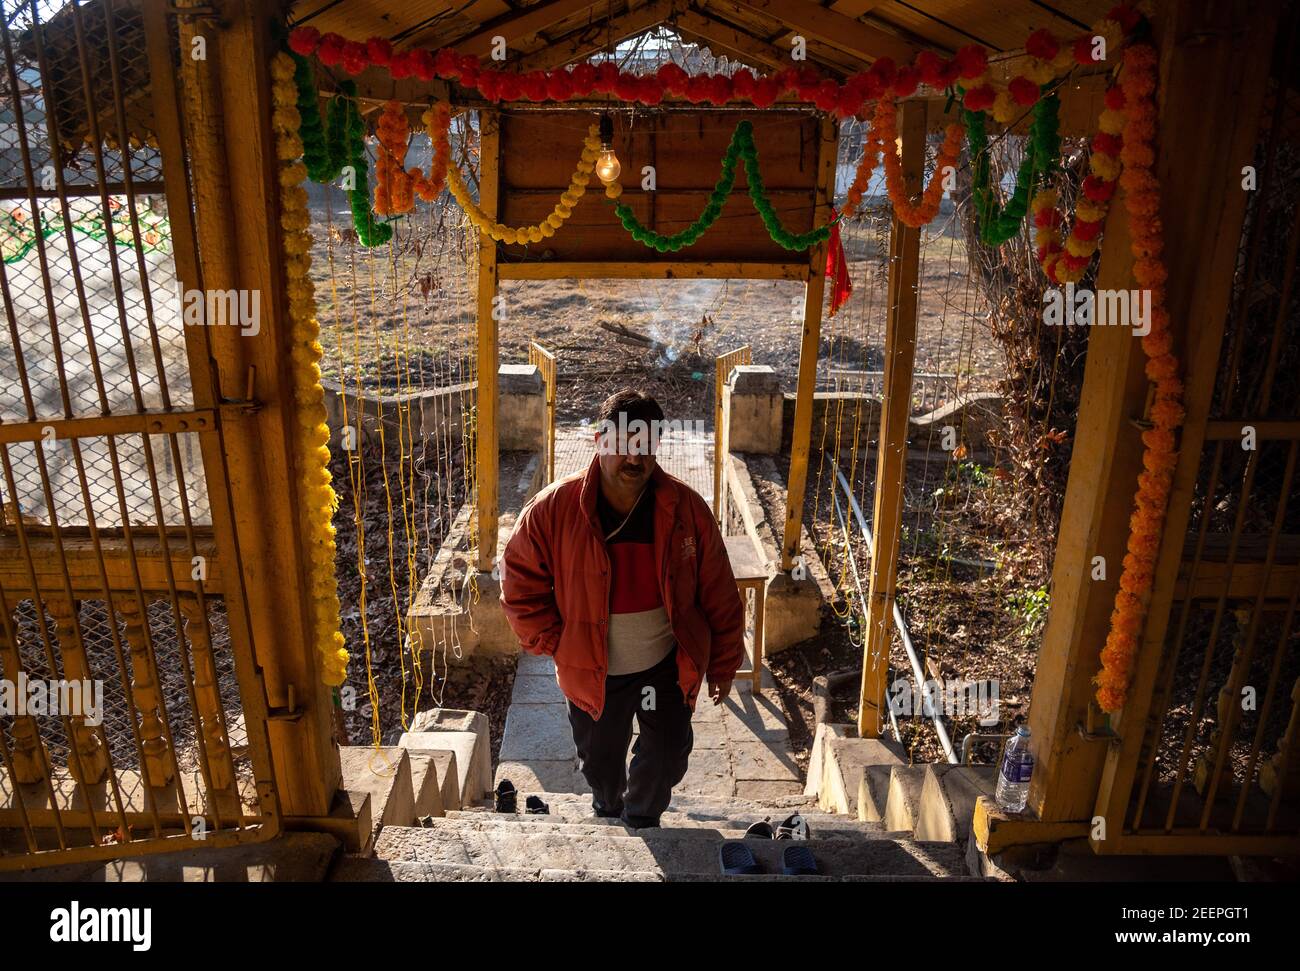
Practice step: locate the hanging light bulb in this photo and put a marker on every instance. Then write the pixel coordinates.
(607, 165)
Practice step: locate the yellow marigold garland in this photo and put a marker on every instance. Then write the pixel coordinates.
(317, 499)
(1160, 453)
(547, 227)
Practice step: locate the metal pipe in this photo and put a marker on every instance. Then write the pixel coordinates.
(857, 582)
(917, 672)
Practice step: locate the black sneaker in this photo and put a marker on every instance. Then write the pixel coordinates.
(760, 830)
(533, 806)
(505, 799)
(793, 828)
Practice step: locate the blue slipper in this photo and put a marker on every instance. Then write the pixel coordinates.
(736, 859)
(797, 861)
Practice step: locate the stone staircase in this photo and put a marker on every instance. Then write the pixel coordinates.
(570, 845)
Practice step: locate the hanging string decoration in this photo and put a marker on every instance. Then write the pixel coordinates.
(317, 498)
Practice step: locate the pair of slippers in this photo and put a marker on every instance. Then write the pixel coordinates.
(737, 859)
(506, 800)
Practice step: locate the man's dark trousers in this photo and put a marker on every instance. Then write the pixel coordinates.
(641, 793)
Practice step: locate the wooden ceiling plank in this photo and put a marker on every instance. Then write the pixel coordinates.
(817, 22)
(520, 24)
(583, 43)
(717, 35)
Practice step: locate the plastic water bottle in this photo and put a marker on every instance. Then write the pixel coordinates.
(1013, 777)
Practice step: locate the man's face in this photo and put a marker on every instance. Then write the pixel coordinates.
(626, 449)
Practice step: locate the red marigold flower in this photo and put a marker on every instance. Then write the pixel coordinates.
(1098, 190)
(1125, 15)
(1083, 50)
(930, 65)
(906, 81)
(422, 62)
(1042, 45)
(1085, 230)
(1047, 217)
(447, 63)
(671, 77)
(584, 78)
(304, 40)
(355, 58)
(972, 61)
(742, 82)
(977, 99)
(330, 50)
(379, 50)
(1107, 144)
(1115, 98)
(1023, 91)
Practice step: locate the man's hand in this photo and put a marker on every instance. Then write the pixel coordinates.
(719, 691)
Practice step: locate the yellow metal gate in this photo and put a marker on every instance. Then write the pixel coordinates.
(132, 717)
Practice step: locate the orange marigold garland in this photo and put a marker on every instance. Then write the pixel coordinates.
(866, 165)
(316, 494)
(1066, 262)
(919, 213)
(1142, 204)
(395, 187)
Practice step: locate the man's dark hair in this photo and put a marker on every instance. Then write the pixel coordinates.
(634, 404)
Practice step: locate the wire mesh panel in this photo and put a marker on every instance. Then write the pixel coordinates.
(124, 722)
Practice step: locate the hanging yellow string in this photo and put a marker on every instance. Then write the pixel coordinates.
(318, 500)
(547, 227)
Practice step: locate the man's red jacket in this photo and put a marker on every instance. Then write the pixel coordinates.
(555, 586)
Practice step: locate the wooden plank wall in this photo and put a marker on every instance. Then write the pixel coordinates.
(540, 148)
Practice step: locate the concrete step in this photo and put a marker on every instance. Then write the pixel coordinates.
(902, 806)
(655, 851)
(356, 869)
(687, 828)
(819, 822)
(385, 775)
(873, 793)
(843, 763)
(948, 798)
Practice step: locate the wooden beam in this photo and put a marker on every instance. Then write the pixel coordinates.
(82, 564)
(995, 830)
(518, 24)
(593, 38)
(809, 347)
(652, 270)
(703, 28)
(828, 27)
(724, 39)
(1104, 467)
(891, 460)
(485, 449)
(1205, 75)
(230, 143)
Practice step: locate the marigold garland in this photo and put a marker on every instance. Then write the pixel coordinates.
(547, 227)
(921, 212)
(1160, 454)
(396, 187)
(1048, 60)
(997, 225)
(713, 209)
(1066, 262)
(317, 500)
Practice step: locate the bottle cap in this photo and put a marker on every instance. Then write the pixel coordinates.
(1023, 730)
